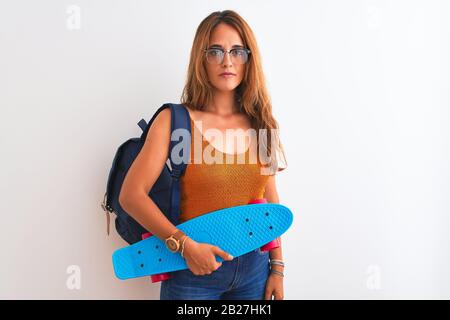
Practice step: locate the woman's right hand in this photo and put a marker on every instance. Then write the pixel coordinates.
(201, 257)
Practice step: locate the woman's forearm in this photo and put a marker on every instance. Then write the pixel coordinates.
(276, 253)
(147, 213)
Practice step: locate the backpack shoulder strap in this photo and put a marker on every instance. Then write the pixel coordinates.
(146, 126)
(180, 120)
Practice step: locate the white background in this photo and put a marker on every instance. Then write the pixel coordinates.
(361, 92)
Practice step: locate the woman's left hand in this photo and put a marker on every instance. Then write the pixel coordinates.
(274, 286)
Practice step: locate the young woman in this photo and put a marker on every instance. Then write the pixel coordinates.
(225, 90)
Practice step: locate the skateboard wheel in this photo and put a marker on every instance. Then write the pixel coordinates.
(146, 235)
(271, 245)
(260, 200)
(156, 277)
(160, 277)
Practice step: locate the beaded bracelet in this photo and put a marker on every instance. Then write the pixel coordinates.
(182, 246)
(277, 262)
(281, 274)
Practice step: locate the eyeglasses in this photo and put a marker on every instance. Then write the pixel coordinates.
(216, 55)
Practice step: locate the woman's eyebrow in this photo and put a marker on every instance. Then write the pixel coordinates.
(219, 46)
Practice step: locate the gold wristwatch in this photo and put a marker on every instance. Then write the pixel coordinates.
(173, 243)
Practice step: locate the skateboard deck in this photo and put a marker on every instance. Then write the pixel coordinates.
(237, 230)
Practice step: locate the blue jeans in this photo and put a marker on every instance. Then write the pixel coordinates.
(243, 278)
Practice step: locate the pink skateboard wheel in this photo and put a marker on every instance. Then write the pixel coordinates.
(146, 235)
(271, 245)
(260, 200)
(274, 243)
(156, 277)
(160, 277)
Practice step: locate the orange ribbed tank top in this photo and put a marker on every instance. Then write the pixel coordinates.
(209, 187)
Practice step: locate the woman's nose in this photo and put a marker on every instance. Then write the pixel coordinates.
(227, 58)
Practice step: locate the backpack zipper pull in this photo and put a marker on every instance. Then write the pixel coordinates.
(107, 210)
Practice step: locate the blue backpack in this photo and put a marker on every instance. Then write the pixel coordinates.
(165, 191)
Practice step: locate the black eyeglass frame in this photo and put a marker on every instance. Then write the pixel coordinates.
(227, 51)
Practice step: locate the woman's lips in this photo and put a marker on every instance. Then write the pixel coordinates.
(227, 75)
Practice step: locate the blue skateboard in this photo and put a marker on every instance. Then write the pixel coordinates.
(237, 230)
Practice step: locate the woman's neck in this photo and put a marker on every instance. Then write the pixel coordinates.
(223, 104)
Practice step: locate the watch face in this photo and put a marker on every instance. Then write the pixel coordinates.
(172, 244)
